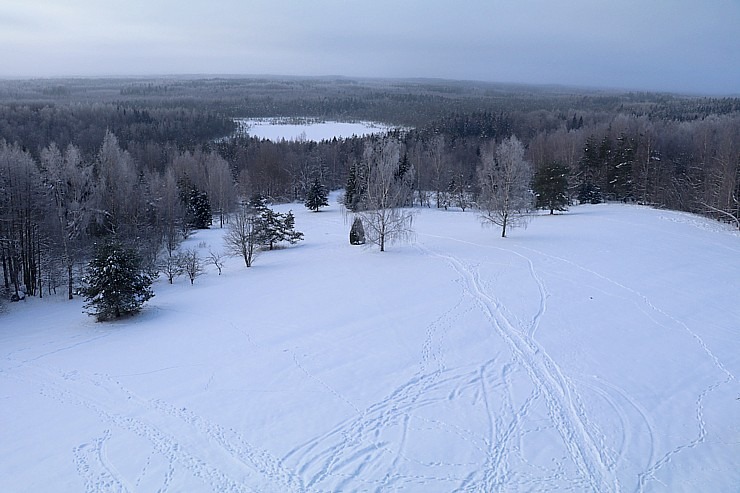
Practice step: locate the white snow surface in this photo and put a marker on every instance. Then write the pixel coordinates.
(276, 129)
(597, 350)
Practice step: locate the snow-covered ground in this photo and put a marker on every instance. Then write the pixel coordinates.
(594, 351)
(276, 129)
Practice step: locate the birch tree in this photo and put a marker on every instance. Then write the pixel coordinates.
(504, 177)
(389, 189)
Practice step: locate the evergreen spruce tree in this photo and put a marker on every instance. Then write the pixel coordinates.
(591, 171)
(287, 229)
(620, 169)
(351, 190)
(356, 188)
(317, 196)
(115, 285)
(551, 187)
(197, 207)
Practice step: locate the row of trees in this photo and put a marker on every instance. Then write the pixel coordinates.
(380, 190)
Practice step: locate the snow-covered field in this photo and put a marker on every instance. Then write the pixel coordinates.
(594, 351)
(276, 129)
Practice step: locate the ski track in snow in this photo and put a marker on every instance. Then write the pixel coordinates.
(651, 471)
(608, 391)
(378, 436)
(578, 432)
(109, 400)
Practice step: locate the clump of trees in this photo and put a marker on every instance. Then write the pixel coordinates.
(54, 208)
(255, 226)
(385, 191)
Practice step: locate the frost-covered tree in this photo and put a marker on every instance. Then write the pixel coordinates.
(69, 185)
(221, 186)
(115, 284)
(388, 190)
(316, 197)
(504, 177)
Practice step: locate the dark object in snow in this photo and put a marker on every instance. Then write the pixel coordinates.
(357, 233)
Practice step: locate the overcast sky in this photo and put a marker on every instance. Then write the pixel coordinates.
(668, 45)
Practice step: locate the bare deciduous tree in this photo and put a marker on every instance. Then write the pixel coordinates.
(192, 264)
(243, 235)
(171, 265)
(505, 176)
(216, 258)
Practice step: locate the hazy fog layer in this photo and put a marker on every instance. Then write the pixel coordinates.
(677, 45)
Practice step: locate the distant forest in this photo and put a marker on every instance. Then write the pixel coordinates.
(84, 159)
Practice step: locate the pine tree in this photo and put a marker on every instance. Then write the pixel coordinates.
(317, 196)
(551, 187)
(115, 285)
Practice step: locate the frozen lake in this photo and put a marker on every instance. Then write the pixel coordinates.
(304, 129)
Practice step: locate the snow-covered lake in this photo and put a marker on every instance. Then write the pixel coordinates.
(595, 351)
(276, 129)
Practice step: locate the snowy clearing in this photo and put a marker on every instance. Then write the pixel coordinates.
(596, 350)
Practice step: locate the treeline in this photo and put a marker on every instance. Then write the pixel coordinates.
(690, 165)
(413, 103)
(37, 125)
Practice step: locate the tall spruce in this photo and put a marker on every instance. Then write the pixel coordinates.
(317, 196)
(551, 187)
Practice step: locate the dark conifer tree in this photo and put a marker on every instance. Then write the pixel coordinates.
(115, 284)
(551, 187)
(198, 213)
(275, 227)
(199, 209)
(317, 196)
